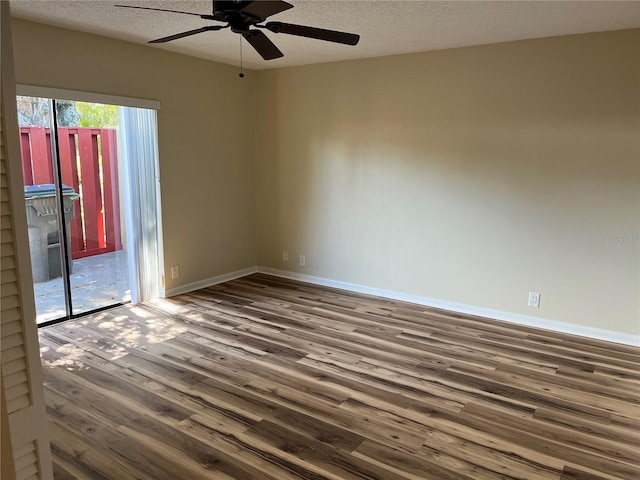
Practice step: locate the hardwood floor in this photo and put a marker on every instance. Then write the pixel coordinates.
(266, 378)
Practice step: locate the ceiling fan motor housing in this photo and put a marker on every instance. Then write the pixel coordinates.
(229, 11)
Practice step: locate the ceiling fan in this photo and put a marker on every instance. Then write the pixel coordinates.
(244, 17)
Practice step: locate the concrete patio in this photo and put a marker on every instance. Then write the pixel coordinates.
(96, 282)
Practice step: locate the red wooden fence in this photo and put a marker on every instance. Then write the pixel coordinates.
(89, 164)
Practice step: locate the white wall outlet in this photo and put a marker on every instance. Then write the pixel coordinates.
(285, 256)
(175, 271)
(302, 260)
(534, 299)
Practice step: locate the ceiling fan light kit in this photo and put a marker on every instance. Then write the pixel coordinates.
(244, 17)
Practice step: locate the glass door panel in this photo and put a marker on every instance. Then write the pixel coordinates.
(41, 203)
(100, 276)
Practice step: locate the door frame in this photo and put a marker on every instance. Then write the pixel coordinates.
(55, 94)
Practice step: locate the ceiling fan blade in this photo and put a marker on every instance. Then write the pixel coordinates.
(312, 32)
(263, 9)
(159, 10)
(262, 44)
(189, 33)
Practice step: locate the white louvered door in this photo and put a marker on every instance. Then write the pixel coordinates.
(19, 348)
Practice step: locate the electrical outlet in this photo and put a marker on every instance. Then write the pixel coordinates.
(285, 256)
(175, 271)
(302, 260)
(534, 299)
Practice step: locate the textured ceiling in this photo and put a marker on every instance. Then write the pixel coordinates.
(386, 27)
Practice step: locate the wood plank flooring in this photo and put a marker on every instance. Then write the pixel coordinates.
(270, 379)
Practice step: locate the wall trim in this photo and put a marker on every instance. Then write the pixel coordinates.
(516, 318)
(207, 282)
(79, 96)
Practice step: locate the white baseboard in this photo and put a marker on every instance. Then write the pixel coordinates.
(583, 331)
(516, 318)
(190, 287)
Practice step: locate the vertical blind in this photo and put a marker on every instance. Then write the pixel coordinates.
(139, 149)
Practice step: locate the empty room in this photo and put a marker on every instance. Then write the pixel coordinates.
(320, 240)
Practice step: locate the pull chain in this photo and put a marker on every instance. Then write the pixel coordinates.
(241, 73)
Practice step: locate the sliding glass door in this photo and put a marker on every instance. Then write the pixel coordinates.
(77, 206)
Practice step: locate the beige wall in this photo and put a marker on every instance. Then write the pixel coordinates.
(206, 137)
(472, 175)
